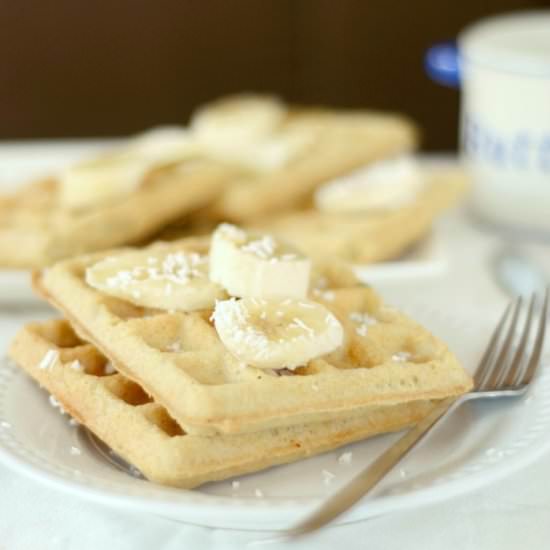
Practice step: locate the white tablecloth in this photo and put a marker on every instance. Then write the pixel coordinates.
(511, 514)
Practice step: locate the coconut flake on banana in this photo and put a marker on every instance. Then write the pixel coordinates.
(119, 172)
(174, 280)
(383, 185)
(258, 266)
(276, 333)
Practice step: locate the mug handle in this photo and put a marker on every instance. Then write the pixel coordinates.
(441, 63)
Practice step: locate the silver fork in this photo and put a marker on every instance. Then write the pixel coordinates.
(502, 372)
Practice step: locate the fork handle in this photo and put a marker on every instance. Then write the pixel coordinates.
(361, 484)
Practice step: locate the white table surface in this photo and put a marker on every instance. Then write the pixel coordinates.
(510, 514)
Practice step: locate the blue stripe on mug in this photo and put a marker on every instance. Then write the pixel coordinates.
(521, 150)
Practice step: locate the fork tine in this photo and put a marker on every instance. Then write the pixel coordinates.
(485, 364)
(534, 361)
(514, 373)
(502, 361)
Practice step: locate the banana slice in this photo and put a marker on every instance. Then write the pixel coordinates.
(120, 172)
(99, 180)
(384, 185)
(242, 118)
(174, 280)
(276, 334)
(165, 145)
(257, 265)
(246, 130)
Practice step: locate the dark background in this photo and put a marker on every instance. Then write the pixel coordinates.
(111, 67)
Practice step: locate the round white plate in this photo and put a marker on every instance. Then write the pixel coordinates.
(479, 443)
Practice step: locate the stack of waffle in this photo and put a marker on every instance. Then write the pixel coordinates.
(246, 159)
(197, 367)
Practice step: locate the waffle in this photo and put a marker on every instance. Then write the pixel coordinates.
(207, 390)
(120, 413)
(364, 238)
(338, 141)
(36, 230)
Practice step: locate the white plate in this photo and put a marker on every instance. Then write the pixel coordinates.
(478, 444)
(426, 258)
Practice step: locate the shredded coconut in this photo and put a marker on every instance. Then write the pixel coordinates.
(56, 404)
(73, 422)
(401, 357)
(345, 458)
(363, 320)
(76, 365)
(232, 232)
(177, 267)
(235, 485)
(49, 359)
(263, 248)
(327, 477)
(75, 451)
(258, 493)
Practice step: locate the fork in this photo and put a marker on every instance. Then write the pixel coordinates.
(502, 372)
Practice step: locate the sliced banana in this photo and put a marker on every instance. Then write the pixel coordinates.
(165, 145)
(160, 279)
(112, 175)
(276, 334)
(99, 180)
(383, 185)
(246, 130)
(242, 118)
(258, 266)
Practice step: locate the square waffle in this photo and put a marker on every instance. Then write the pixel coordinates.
(180, 361)
(121, 414)
(37, 230)
(368, 237)
(335, 141)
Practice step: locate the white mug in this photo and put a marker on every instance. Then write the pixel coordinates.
(503, 66)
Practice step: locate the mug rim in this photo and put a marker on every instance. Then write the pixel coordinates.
(475, 49)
